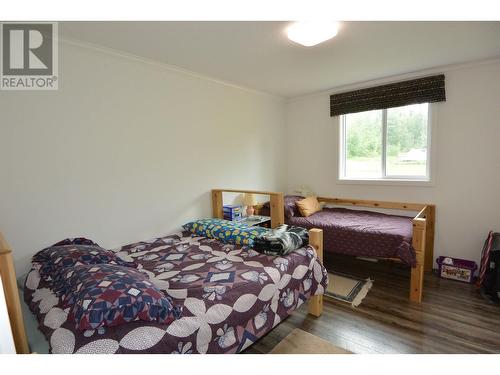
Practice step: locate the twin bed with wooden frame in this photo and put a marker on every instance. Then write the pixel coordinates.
(280, 288)
(372, 234)
(422, 237)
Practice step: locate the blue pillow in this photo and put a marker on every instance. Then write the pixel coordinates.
(109, 295)
(225, 231)
(53, 260)
(42, 255)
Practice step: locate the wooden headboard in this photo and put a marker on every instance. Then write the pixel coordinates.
(276, 201)
(8, 276)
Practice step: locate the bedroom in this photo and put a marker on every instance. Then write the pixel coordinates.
(145, 120)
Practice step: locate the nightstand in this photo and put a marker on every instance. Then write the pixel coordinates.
(257, 221)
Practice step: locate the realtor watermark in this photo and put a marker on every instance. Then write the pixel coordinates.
(29, 56)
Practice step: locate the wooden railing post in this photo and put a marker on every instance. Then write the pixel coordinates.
(217, 210)
(9, 282)
(417, 272)
(316, 241)
(277, 203)
(430, 217)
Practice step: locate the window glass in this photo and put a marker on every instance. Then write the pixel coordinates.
(386, 144)
(407, 141)
(363, 144)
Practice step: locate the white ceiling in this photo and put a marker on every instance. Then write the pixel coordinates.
(258, 55)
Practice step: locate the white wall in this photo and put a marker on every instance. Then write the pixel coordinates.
(126, 150)
(466, 140)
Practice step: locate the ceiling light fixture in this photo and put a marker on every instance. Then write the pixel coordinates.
(309, 33)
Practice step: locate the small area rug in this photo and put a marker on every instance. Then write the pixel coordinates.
(302, 342)
(347, 288)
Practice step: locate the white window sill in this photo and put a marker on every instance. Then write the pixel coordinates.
(385, 182)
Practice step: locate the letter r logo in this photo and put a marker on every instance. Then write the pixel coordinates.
(27, 49)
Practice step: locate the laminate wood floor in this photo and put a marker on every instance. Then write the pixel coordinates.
(453, 317)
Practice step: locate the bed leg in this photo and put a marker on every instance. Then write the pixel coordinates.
(417, 283)
(316, 305)
(316, 241)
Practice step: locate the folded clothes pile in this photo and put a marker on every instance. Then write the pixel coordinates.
(281, 240)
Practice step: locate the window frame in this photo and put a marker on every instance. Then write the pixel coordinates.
(384, 178)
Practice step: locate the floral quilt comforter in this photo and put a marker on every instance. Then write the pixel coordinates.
(230, 297)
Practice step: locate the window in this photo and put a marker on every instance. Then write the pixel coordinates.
(386, 144)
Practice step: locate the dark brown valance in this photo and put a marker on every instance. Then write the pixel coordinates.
(420, 90)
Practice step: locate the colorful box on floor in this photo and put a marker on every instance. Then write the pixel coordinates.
(456, 269)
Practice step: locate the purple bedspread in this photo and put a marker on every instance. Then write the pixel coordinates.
(230, 296)
(362, 233)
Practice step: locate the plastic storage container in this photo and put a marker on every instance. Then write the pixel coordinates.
(232, 212)
(457, 269)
